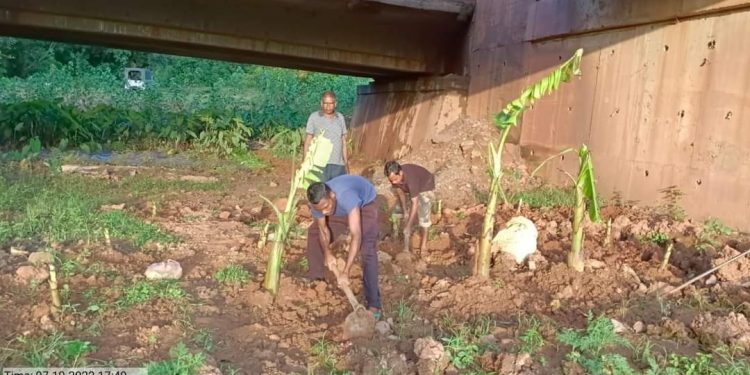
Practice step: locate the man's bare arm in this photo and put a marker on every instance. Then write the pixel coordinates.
(325, 240)
(308, 139)
(355, 228)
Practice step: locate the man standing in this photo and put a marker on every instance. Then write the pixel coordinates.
(419, 184)
(351, 198)
(333, 127)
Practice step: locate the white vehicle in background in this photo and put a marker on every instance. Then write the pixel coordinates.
(138, 78)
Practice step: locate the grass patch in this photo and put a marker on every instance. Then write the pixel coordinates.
(545, 196)
(589, 345)
(145, 291)
(181, 362)
(66, 208)
(232, 274)
(47, 351)
(205, 339)
(658, 238)
(531, 339)
(324, 353)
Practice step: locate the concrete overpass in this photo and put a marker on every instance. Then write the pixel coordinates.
(374, 38)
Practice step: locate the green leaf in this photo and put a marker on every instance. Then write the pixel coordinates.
(587, 182)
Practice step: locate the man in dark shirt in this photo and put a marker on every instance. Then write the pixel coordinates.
(353, 198)
(419, 184)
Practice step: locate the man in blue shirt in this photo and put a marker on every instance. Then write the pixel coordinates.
(345, 201)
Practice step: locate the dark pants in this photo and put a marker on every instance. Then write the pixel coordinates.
(367, 251)
(330, 171)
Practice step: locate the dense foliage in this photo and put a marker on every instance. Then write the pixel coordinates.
(74, 96)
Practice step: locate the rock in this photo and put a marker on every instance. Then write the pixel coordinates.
(629, 271)
(732, 330)
(711, 280)
(566, 293)
(31, 274)
(619, 326)
(19, 252)
(41, 258)
(112, 207)
(168, 270)
(224, 215)
(274, 337)
(522, 360)
(382, 327)
(518, 238)
(384, 257)
(46, 323)
(508, 364)
(737, 271)
(595, 264)
(432, 358)
(489, 340)
(199, 179)
(273, 184)
(639, 327)
(537, 261)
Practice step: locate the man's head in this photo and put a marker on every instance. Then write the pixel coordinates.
(322, 198)
(394, 173)
(328, 102)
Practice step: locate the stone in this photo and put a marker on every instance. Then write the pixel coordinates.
(711, 280)
(28, 274)
(113, 207)
(432, 358)
(382, 327)
(41, 257)
(639, 327)
(224, 215)
(199, 179)
(167, 270)
(619, 326)
(595, 264)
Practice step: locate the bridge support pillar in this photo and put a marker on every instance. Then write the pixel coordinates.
(392, 118)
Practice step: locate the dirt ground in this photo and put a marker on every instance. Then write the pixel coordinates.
(257, 334)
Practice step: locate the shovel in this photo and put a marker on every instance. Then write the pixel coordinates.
(360, 323)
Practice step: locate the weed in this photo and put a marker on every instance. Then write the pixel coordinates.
(480, 196)
(145, 291)
(325, 356)
(545, 197)
(204, 339)
(698, 364)
(404, 312)
(588, 347)
(304, 264)
(433, 233)
(182, 362)
(461, 215)
(670, 203)
(250, 161)
(461, 348)
(286, 142)
(658, 238)
(232, 274)
(712, 229)
(531, 339)
(66, 208)
(52, 350)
